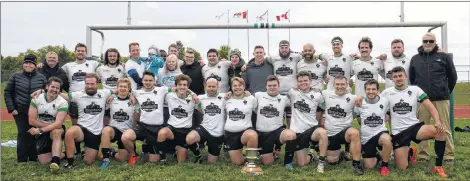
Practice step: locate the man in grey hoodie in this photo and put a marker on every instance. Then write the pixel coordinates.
(257, 70)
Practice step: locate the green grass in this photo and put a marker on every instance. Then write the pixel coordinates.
(222, 170)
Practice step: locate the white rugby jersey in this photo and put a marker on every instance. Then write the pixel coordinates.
(364, 71)
(151, 104)
(76, 73)
(220, 73)
(132, 64)
(372, 118)
(181, 110)
(122, 112)
(110, 75)
(338, 66)
(239, 113)
(392, 62)
(403, 106)
(304, 109)
(338, 111)
(316, 69)
(47, 111)
(270, 111)
(285, 70)
(91, 109)
(213, 108)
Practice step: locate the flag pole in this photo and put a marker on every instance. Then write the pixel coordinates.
(248, 34)
(267, 21)
(288, 18)
(228, 29)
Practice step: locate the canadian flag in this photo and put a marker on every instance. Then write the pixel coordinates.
(241, 15)
(282, 17)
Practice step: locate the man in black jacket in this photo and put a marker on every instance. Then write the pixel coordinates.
(52, 68)
(434, 72)
(17, 99)
(235, 69)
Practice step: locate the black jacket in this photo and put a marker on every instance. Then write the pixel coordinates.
(195, 73)
(434, 73)
(48, 72)
(19, 88)
(235, 72)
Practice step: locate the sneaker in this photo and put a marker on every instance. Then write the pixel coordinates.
(162, 162)
(68, 166)
(290, 166)
(384, 171)
(320, 167)
(54, 167)
(133, 160)
(413, 157)
(440, 171)
(198, 159)
(312, 157)
(105, 164)
(358, 170)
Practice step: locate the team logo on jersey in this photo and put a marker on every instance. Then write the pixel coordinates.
(318, 65)
(187, 101)
(99, 95)
(86, 64)
(372, 63)
(111, 81)
(381, 106)
(373, 121)
(219, 97)
(389, 75)
(79, 76)
(179, 112)
(218, 66)
(336, 112)
(344, 59)
(244, 102)
(119, 70)
(284, 71)
(365, 75)
(53, 106)
(403, 62)
(155, 92)
(216, 77)
(313, 75)
(148, 106)
(269, 111)
(290, 58)
(212, 109)
(93, 109)
(335, 71)
(402, 107)
(302, 106)
(279, 100)
(348, 99)
(236, 115)
(409, 93)
(120, 116)
(46, 117)
(312, 97)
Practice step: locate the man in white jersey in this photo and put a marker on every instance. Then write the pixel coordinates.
(398, 58)
(405, 125)
(366, 67)
(123, 116)
(374, 133)
(47, 113)
(217, 69)
(337, 63)
(305, 124)
(135, 66)
(91, 106)
(181, 105)
(270, 119)
(211, 129)
(339, 106)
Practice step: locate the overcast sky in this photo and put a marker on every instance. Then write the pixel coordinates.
(35, 24)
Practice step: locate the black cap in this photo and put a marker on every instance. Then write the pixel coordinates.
(336, 39)
(30, 58)
(283, 43)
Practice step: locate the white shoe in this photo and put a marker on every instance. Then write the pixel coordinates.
(54, 167)
(320, 167)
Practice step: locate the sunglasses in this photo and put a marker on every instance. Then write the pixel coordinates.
(428, 41)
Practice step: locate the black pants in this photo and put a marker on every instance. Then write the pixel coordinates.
(26, 143)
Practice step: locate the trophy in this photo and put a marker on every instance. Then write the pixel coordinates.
(250, 167)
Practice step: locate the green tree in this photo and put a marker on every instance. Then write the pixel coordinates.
(10, 65)
(224, 52)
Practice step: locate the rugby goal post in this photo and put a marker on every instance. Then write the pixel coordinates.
(432, 25)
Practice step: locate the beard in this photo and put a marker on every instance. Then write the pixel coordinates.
(287, 55)
(91, 92)
(308, 57)
(111, 63)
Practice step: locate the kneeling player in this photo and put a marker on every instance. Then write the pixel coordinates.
(374, 133)
(405, 125)
(46, 114)
(122, 114)
(211, 130)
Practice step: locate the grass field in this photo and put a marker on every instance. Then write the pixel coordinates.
(222, 170)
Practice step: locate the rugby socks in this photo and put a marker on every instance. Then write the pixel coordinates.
(356, 162)
(194, 149)
(289, 155)
(278, 147)
(78, 151)
(439, 148)
(384, 164)
(322, 159)
(106, 152)
(55, 159)
(70, 161)
(410, 154)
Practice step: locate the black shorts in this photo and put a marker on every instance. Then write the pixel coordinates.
(117, 138)
(149, 133)
(319, 109)
(267, 140)
(369, 148)
(405, 137)
(179, 137)
(91, 140)
(44, 142)
(73, 110)
(304, 139)
(213, 143)
(107, 112)
(233, 141)
(335, 142)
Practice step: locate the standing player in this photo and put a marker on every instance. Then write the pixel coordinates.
(305, 102)
(374, 133)
(270, 116)
(339, 106)
(211, 129)
(406, 127)
(398, 58)
(47, 113)
(337, 63)
(134, 66)
(217, 69)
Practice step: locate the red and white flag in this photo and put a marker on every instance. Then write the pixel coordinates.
(283, 16)
(242, 15)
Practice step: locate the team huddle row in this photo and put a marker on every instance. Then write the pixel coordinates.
(235, 115)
